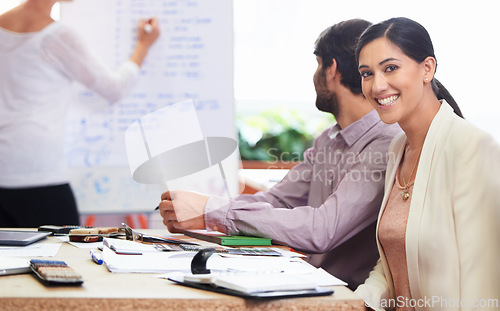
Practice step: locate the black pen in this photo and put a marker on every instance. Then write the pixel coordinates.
(157, 208)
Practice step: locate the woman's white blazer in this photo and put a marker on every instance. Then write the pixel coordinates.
(453, 230)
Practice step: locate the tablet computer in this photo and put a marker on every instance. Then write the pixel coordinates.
(21, 238)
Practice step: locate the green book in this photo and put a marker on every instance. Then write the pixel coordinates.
(227, 240)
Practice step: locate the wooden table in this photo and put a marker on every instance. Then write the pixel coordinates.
(106, 291)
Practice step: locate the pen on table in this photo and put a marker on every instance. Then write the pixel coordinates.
(96, 257)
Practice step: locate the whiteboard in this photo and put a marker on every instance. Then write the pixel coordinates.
(192, 59)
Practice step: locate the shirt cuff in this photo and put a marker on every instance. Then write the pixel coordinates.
(215, 213)
(132, 69)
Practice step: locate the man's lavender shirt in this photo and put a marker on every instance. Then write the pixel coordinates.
(326, 206)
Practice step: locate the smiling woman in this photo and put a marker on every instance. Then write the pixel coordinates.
(398, 51)
(434, 228)
(390, 79)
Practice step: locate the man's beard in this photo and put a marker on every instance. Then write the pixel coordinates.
(327, 102)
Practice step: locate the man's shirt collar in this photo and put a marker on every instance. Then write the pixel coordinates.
(356, 130)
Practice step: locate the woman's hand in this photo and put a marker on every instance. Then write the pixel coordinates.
(148, 32)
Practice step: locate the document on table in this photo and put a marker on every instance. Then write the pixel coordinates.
(326, 279)
(168, 262)
(251, 283)
(65, 238)
(33, 250)
(128, 247)
(162, 262)
(148, 262)
(318, 275)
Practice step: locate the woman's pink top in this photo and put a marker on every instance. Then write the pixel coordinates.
(392, 236)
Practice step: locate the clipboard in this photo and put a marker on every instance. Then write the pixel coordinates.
(264, 295)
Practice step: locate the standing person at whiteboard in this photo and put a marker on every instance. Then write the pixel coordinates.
(39, 60)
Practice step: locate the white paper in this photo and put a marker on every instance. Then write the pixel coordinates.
(65, 238)
(252, 283)
(33, 250)
(326, 279)
(258, 281)
(14, 265)
(163, 262)
(128, 247)
(148, 262)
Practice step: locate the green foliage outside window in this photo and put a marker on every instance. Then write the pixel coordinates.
(280, 134)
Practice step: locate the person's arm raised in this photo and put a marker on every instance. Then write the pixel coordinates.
(148, 32)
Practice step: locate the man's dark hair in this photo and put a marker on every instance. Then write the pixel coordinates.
(339, 42)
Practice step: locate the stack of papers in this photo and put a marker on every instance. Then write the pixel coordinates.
(148, 262)
(252, 283)
(247, 276)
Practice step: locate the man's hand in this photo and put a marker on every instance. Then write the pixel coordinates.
(182, 210)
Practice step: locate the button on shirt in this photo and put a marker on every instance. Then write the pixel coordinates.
(325, 206)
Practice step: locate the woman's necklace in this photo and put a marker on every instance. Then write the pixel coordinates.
(406, 185)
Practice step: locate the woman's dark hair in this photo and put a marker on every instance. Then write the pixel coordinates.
(414, 41)
(339, 42)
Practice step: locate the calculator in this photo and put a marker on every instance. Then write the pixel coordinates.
(55, 272)
(249, 251)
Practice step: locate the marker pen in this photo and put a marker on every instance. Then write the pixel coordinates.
(147, 27)
(96, 257)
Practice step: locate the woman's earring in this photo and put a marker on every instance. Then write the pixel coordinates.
(426, 79)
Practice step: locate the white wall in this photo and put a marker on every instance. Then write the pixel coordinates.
(6, 5)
